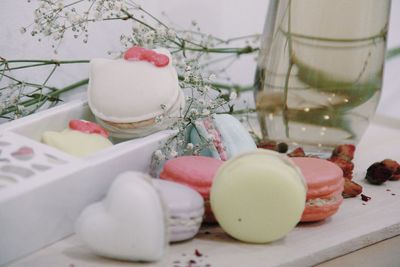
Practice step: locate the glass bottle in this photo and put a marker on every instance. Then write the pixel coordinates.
(320, 68)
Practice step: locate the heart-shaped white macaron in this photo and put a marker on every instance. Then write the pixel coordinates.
(129, 224)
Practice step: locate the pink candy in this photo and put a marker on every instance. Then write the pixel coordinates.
(140, 53)
(87, 127)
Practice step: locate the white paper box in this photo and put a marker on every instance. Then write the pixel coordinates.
(40, 204)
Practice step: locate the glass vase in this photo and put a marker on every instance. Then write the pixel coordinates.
(319, 73)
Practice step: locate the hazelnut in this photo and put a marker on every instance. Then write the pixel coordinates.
(298, 152)
(378, 173)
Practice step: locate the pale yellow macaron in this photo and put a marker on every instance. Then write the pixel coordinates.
(259, 196)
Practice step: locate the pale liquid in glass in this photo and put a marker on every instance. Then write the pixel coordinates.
(320, 82)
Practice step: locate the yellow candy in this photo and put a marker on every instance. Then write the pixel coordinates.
(76, 143)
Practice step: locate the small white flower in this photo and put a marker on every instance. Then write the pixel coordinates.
(189, 146)
(212, 77)
(117, 6)
(159, 118)
(74, 18)
(60, 4)
(188, 36)
(13, 99)
(173, 154)
(159, 155)
(205, 112)
(161, 31)
(193, 112)
(171, 34)
(210, 137)
(97, 15)
(232, 96)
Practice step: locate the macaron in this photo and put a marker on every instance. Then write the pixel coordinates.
(325, 186)
(197, 172)
(137, 95)
(258, 196)
(185, 209)
(229, 137)
(81, 138)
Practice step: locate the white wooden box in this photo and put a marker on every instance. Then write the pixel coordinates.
(41, 196)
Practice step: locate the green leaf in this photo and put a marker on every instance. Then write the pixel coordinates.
(54, 99)
(394, 52)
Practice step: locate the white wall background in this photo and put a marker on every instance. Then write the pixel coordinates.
(223, 18)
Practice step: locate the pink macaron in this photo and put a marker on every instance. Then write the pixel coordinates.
(196, 172)
(325, 185)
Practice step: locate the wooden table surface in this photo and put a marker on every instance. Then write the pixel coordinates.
(358, 224)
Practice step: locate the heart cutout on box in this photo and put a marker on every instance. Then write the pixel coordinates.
(129, 224)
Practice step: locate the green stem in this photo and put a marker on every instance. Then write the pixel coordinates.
(48, 61)
(232, 50)
(287, 78)
(235, 87)
(50, 95)
(394, 52)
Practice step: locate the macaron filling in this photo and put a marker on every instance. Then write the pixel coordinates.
(217, 140)
(320, 202)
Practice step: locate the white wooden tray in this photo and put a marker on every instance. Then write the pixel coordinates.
(40, 205)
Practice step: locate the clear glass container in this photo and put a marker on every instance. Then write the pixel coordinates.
(319, 73)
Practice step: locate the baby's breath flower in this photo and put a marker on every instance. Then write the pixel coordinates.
(173, 154)
(13, 99)
(189, 146)
(232, 96)
(171, 34)
(210, 137)
(159, 155)
(159, 118)
(212, 77)
(205, 112)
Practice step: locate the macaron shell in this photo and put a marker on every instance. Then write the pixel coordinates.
(195, 171)
(323, 177)
(235, 137)
(185, 209)
(258, 197)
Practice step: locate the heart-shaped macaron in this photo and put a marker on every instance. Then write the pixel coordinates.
(129, 224)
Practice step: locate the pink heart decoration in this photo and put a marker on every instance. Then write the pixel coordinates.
(87, 127)
(138, 53)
